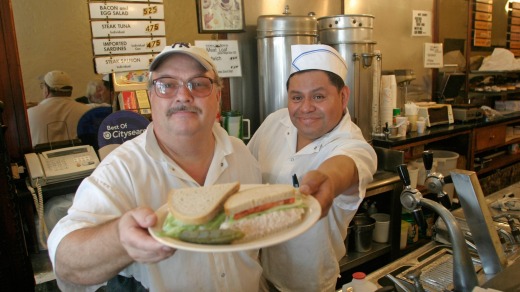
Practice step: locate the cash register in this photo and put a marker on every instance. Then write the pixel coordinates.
(451, 85)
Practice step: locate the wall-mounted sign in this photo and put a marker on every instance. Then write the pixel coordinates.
(115, 10)
(421, 23)
(128, 46)
(112, 64)
(433, 57)
(126, 34)
(153, 1)
(225, 55)
(104, 29)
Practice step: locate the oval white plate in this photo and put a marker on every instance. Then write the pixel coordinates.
(311, 215)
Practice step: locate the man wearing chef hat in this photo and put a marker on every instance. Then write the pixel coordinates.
(315, 139)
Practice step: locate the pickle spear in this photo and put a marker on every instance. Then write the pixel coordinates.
(216, 236)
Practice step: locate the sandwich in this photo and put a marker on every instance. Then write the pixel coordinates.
(195, 214)
(264, 210)
(220, 214)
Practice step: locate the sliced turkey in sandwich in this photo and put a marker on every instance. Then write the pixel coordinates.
(263, 210)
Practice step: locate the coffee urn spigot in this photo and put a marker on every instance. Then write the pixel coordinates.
(410, 197)
(435, 181)
(464, 275)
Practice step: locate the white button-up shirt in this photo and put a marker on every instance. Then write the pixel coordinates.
(309, 262)
(137, 173)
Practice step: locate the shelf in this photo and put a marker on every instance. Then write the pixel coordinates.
(354, 259)
(499, 162)
(493, 93)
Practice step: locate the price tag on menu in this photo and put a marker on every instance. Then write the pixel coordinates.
(433, 57)
(225, 55)
(128, 46)
(121, 28)
(125, 63)
(114, 10)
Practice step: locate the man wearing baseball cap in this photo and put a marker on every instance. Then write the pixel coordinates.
(104, 237)
(315, 139)
(56, 117)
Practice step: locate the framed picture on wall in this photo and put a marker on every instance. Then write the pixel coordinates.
(220, 16)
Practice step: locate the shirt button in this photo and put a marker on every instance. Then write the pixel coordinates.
(288, 133)
(221, 164)
(222, 275)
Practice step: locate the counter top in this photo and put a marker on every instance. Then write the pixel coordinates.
(412, 258)
(441, 130)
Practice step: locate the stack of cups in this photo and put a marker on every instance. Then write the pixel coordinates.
(411, 110)
(403, 122)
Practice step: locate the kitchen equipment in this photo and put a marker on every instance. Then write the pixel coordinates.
(466, 112)
(381, 228)
(363, 229)
(233, 122)
(351, 36)
(403, 77)
(435, 114)
(275, 35)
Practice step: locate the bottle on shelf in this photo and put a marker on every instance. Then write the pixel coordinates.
(359, 284)
(372, 209)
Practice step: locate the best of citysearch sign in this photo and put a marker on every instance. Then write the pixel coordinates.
(126, 34)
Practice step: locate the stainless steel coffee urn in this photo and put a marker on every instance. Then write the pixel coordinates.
(275, 35)
(351, 36)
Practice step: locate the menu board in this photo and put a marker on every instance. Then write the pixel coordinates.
(482, 22)
(126, 35)
(225, 55)
(514, 29)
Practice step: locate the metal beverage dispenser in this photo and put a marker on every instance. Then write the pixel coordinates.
(351, 36)
(275, 35)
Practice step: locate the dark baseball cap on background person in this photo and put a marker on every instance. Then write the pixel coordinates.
(58, 81)
(197, 53)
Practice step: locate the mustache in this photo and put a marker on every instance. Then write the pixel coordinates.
(183, 108)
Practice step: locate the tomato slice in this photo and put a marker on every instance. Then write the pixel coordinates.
(262, 208)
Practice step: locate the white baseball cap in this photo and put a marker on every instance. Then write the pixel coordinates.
(197, 53)
(58, 80)
(318, 57)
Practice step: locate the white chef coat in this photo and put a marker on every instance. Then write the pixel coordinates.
(138, 173)
(49, 119)
(309, 262)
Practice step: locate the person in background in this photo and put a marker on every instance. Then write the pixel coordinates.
(315, 139)
(105, 232)
(56, 117)
(98, 93)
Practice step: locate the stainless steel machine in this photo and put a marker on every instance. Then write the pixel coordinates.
(275, 35)
(351, 36)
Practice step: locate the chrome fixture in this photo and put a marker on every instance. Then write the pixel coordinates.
(464, 276)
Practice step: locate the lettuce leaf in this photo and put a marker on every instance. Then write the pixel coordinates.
(173, 227)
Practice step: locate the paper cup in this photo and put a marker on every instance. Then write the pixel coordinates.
(381, 228)
(421, 125)
(413, 171)
(413, 122)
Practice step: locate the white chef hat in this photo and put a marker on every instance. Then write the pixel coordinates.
(318, 57)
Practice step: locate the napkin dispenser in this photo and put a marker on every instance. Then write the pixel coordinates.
(436, 114)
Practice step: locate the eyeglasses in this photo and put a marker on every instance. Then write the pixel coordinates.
(167, 87)
(43, 85)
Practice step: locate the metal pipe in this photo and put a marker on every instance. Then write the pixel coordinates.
(464, 275)
(479, 220)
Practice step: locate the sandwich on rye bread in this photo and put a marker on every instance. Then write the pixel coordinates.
(196, 214)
